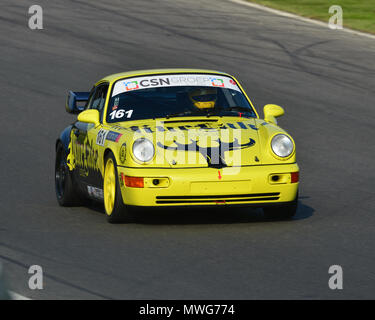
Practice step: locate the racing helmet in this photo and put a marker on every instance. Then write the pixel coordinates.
(203, 98)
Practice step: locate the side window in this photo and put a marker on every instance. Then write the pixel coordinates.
(98, 100)
(89, 101)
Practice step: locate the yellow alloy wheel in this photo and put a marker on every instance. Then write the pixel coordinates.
(109, 186)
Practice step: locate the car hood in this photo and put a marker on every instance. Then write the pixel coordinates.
(215, 142)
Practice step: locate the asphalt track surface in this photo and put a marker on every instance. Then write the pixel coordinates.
(324, 79)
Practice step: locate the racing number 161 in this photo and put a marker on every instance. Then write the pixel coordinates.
(120, 114)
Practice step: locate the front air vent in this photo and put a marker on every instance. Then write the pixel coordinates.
(218, 198)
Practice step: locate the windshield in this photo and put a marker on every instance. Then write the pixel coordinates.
(169, 96)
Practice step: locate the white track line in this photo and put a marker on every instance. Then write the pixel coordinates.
(16, 296)
(294, 16)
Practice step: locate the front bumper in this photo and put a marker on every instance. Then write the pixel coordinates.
(251, 185)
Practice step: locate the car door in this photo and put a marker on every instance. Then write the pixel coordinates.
(85, 144)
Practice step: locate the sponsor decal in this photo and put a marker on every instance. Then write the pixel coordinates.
(155, 82)
(116, 103)
(113, 136)
(83, 154)
(173, 80)
(131, 85)
(70, 161)
(217, 82)
(122, 154)
(104, 135)
(95, 192)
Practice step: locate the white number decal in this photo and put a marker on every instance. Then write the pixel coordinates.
(129, 113)
(100, 138)
(118, 114)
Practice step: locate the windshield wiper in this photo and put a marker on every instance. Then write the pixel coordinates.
(184, 113)
(231, 109)
(238, 108)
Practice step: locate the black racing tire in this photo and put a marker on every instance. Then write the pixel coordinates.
(282, 212)
(66, 193)
(115, 209)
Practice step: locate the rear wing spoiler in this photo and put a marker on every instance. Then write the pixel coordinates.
(74, 97)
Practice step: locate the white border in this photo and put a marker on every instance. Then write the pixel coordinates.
(294, 16)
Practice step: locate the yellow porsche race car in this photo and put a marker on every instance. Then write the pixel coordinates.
(174, 137)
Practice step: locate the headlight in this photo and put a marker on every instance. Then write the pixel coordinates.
(143, 150)
(282, 145)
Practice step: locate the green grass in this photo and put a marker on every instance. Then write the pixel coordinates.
(357, 14)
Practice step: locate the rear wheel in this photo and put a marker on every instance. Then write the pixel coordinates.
(67, 194)
(115, 208)
(282, 212)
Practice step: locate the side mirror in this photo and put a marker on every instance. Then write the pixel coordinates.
(271, 112)
(89, 116)
(72, 100)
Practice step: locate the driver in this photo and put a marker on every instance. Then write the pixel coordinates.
(203, 98)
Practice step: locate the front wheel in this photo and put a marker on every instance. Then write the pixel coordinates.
(282, 212)
(114, 207)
